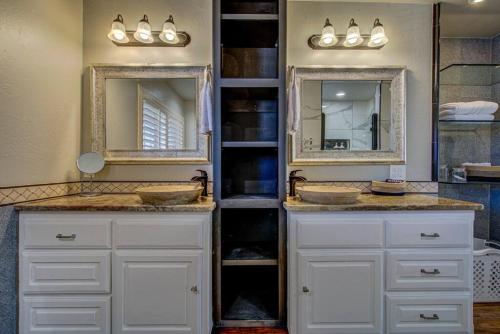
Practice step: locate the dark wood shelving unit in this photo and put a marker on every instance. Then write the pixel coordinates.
(249, 163)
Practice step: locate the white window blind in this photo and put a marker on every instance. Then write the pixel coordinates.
(161, 129)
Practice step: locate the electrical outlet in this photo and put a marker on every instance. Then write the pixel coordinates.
(398, 172)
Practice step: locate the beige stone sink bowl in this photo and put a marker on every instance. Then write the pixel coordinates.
(170, 194)
(328, 194)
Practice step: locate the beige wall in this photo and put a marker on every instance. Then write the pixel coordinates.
(40, 90)
(193, 16)
(409, 30)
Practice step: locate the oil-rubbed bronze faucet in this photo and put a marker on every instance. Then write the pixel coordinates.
(292, 180)
(203, 179)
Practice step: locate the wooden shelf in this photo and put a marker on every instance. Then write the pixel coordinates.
(250, 262)
(263, 17)
(249, 144)
(250, 201)
(249, 82)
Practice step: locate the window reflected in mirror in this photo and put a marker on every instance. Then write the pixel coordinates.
(151, 114)
(346, 115)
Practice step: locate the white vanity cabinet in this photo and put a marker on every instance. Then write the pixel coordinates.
(103, 272)
(380, 272)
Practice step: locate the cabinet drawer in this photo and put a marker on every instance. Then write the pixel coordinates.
(429, 231)
(78, 315)
(65, 272)
(429, 313)
(65, 231)
(436, 270)
(172, 231)
(339, 232)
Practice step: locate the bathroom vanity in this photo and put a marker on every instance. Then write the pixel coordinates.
(383, 265)
(87, 263)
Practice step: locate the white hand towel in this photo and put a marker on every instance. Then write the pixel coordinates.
(206, 103)
(483, 164)
(467, 118)
(469, 108)
(293, 117)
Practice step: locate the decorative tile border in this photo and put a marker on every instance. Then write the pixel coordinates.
(364, 186)
(20, 194)
(13, 195)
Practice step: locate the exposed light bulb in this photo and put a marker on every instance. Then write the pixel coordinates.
(118, 33)
(353, 36)
(169, 32)
(143, 33)
(328, 37)
(378, 36)
(473, 2)
(340, 94)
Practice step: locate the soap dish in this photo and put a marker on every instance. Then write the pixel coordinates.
(389, 187)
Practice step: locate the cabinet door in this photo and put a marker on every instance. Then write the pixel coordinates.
(340, 292)
(156, 292)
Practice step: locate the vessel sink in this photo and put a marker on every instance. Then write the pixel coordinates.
(328, 194)
(170, 194)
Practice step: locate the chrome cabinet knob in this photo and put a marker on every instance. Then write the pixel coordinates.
(194, 289)
(305, 289)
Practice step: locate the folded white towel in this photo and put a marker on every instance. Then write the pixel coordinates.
(480, 117)
(484, 164)
(469, 108)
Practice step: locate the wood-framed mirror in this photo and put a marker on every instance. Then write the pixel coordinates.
(148, 114)
(349, 115)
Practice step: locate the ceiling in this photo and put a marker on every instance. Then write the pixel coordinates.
(464, 20)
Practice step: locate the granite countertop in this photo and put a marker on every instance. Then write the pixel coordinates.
(369, 202)
(113, 202)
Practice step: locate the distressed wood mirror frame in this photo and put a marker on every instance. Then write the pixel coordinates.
(397, 154)
(98, 76)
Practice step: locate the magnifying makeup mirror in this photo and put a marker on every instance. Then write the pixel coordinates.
(90, 164)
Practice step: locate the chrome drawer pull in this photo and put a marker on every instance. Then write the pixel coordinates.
(66, 237)
(434, 317)
(433, 235)
(434, 272)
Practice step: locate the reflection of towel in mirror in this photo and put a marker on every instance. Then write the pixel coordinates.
(206, 103)
(480, 117)
(468, 108)
(293, 117)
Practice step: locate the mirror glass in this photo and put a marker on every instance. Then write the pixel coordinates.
(346, 115)
(151, 114)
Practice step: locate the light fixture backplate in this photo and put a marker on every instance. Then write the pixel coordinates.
(313, 43)
(184, 40)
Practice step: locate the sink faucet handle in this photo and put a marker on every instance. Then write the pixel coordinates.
(294, 172)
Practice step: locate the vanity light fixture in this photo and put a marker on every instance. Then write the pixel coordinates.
(145, 36)
(118, 33)
(353, 36)
(169, 32)
(143, 33)
(352, 40)
(377, 37)
(328, 37)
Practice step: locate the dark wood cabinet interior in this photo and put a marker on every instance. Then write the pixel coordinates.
(249, 48)
(250, 293)
(249, 160)
(249, 7)
(249, 114)
(249, 172)
(249, 236)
